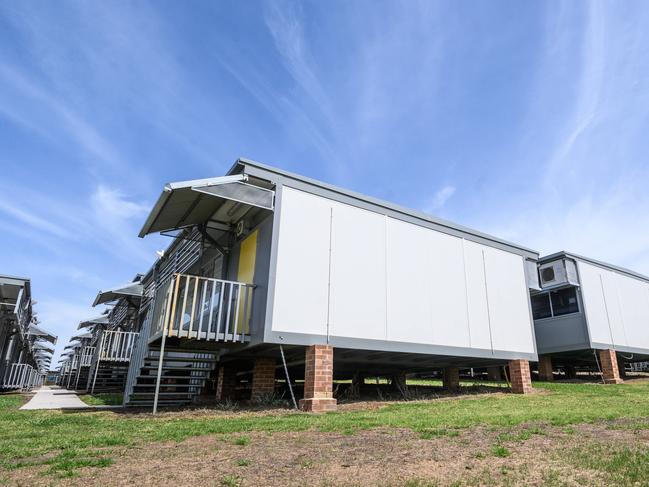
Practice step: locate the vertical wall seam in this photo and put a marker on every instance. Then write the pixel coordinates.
(385, 270)
(608, 318)
(331, 218)
(619, 308)
(466, 293)
(486, 291)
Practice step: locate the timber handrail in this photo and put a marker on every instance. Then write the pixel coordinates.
(205, 308)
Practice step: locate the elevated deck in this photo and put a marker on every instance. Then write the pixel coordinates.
(203, 308)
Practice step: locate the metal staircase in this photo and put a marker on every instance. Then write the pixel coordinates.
(204, 315)
(183, 376)
(107, 377)
(110, 362)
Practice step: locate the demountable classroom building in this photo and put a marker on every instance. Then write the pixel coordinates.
(268, 265)
(589, 312)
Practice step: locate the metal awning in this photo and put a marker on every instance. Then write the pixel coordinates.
(131, 290)
(34, 330)
(40, 346)
(97, 320)
(189, 203)
(81, 336)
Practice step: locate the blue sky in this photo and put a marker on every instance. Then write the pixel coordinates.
(527, 120)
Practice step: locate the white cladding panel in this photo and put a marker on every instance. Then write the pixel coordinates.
(302, 278)
(410, 309)
(616, 306)
(393, 280)
(634, 297)
(593, 301)
(358, 283)
(508, 306)
(450, 316)
(476, 284)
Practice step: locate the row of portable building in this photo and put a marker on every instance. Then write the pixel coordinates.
(25, 347)
(277, 283)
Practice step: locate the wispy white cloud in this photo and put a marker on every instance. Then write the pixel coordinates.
(588, 94)
(286, 24)
(106, 218)
(48, 108)
(113, 206)
(440, 198)
(33, 220)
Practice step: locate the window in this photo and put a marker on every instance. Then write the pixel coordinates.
(541, 306)
(555, 303)
(564, 301)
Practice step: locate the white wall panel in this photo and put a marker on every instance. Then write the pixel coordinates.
(613, 308)
(593, 300)
(477, 296)
(358, 280)
(300, 304)
(410, 308)
(393, 280)
(634, 296)
(450, 320)
(616, 306)
(508, 306)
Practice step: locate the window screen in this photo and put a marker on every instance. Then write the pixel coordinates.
(541, 306)
(564, 301)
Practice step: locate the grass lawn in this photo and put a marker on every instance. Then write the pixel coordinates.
(66, 442)
(105, 399)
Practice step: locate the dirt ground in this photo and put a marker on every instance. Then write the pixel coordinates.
(535, 455)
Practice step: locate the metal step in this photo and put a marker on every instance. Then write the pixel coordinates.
(165, 394)
(178, 377)
(155, 367)
(149, 403)
(156, 360)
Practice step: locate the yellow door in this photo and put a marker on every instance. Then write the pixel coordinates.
(246, 273)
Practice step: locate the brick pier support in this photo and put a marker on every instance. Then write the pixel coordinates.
(263, 378)
(451, 379)
(545, 368)
(318, 379)
(519, 371)
(226, 383)
(608, 363)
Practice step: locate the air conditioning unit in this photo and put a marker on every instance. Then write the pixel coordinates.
(558, 273)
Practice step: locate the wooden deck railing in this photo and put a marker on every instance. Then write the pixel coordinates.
(204, 308)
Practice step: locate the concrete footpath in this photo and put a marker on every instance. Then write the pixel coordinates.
(54, 398)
